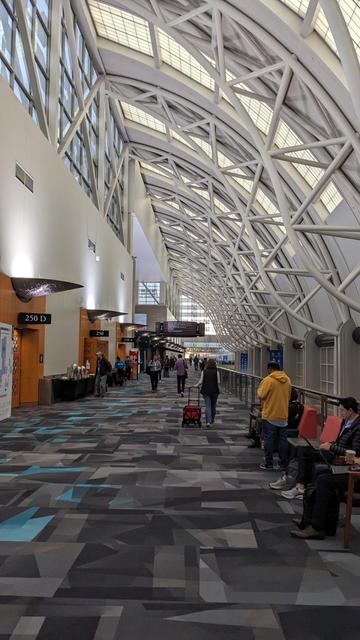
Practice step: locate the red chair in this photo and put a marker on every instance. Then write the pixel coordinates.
(308, 424)
(331, 429)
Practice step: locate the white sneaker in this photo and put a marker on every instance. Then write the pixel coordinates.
(280, 483)
(293, 493)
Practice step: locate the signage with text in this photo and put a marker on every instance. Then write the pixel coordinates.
(180, 329)
(99, 333)
(127, 340)
(34, 318)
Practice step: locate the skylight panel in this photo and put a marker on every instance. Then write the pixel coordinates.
(220, 205)
(176, 56)
(321, 25)
(246, 184)
(223, 161)
(331, 197)
(351, 12)
(286, 137)
(121, 26)
(138, 115)
(259, 112)
(178, 137)
(205, 146)
(150, 167)
(299, 6)
(266, 203)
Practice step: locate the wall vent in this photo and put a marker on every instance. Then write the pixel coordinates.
(24, 177)
(91, 245)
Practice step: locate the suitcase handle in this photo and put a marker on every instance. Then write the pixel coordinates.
(198, 394)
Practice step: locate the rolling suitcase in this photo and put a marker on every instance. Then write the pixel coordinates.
(192, 411)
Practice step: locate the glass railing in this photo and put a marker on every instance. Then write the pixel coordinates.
(244, 386)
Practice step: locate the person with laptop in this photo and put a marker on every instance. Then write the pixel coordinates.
(307, 457)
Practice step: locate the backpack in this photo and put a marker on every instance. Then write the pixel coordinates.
(332, 515)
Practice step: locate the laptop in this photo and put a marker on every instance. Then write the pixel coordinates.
(336, 469)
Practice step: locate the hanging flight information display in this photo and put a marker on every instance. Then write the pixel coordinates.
(177, 329)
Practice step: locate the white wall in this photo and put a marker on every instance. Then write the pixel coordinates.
(140, 206)
(45, 234)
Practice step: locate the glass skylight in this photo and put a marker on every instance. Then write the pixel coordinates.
(330, 197)
(138, 115)
(321, 25)
(121, 26)
(299, 6)
(266, 203)
(246, 184)
(178, 137)
(150, 167)
(259, 112)
(205, 146)
(176, 56)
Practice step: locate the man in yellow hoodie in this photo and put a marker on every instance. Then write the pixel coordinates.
(274, 393)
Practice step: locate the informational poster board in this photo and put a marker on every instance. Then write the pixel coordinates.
(134, 359)
(276, 355)
(6, 361)
(244, 359)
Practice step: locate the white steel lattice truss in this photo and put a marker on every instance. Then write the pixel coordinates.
(246, 149)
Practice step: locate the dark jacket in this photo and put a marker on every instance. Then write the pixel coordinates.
(210, 384)
(350, 439)
(103, 366)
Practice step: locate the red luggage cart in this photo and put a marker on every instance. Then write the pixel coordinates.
(192, 411)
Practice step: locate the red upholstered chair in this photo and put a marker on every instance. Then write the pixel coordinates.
(331, 429)
(308, 424)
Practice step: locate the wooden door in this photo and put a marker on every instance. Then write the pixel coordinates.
(16, 368)
(91, 346)
(29, 379)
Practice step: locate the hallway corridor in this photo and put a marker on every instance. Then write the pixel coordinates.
(118, 524)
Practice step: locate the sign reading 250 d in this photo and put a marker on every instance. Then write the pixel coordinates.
(34, 318)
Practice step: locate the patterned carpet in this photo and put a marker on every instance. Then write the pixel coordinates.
(118, 524)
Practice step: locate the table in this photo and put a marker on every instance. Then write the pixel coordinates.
(70, 389)
(353, 476)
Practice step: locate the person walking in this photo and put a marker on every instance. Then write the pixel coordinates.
(181, 374)
(103, 367)
(154, 366)
(166, 367)
(209, 384)
(196, 363)
(274, 393)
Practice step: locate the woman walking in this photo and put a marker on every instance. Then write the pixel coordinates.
(181, 374)
(209, 384)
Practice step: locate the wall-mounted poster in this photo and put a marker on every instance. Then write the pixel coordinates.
(6, 359)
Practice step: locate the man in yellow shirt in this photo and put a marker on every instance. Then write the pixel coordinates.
(274, 393)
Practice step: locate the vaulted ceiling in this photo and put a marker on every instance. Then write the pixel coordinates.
(244, 117)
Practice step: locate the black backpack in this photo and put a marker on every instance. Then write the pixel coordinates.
(332, 515)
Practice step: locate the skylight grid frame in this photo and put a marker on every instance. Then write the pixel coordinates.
(142, 117)
(122, 27)
(299, 6)
(176, 56)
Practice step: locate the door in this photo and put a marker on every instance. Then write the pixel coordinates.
(16, 368)
(91, 346)
(29, 375)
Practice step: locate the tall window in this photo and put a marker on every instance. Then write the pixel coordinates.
(192, 311)
(149, 293)
(13, 64)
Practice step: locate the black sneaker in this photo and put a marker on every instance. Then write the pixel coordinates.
(266, 467)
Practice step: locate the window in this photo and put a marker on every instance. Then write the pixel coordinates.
(191, 311)
(149, 293)
(13, 65)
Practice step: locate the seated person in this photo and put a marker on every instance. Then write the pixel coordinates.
(295, 412)
(348, 438)
(321, 508)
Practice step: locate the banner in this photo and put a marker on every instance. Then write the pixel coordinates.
(133, 356)
(6, 363)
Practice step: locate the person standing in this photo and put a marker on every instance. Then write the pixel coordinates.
(181, 374)
(274, 393)
(166, 367)
(120, 370)
(196, 363)
(209, 384)
(154, 366)
(103, 367)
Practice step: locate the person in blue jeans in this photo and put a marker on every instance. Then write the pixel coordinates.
(274, 393)
(209, 384)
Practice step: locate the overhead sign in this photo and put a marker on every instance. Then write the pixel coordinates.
(177, 329)
(244, 361)
(128, 340)
(34, 318)
(276, 355)
(6, 364)
(99, 333)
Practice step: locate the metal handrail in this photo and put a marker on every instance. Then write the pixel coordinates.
(244, 386)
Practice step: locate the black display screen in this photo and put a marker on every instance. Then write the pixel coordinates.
(177, 329)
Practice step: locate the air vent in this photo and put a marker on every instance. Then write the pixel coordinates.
(91, 245)
(24, 177)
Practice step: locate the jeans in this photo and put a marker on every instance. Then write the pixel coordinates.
(100, 385)
(326, 485)
(180, 384)
(210, 407)
(269, 432)
(154, 379)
